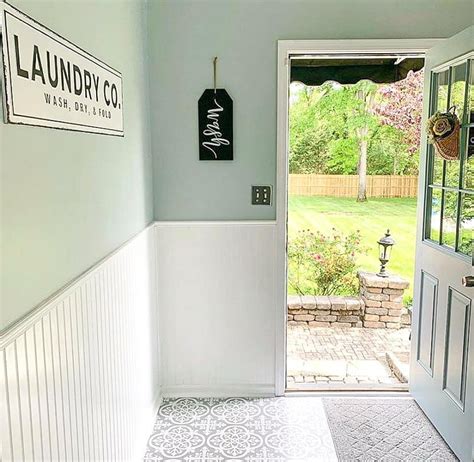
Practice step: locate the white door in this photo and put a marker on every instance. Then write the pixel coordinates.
(442, 359)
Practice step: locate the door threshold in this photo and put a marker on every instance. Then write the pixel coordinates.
(347, 388)
(402, 394)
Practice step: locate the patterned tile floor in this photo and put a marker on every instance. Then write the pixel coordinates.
(336, 355)
(253, 430)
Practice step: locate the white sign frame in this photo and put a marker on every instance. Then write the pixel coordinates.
(50, 82)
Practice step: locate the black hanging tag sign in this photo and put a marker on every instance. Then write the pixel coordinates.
(215, 125)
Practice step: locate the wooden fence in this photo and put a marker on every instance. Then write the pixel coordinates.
(347, 185)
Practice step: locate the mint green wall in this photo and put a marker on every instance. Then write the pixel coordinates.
(68, 199)
(186, 34)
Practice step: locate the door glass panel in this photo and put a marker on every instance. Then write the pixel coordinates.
(441, 91)
(458, 89)
(471, 93)
(451, 178)
(435, 215)
(456, 96)
(449, 218)
(466, 224)
(437, 167)
(469, 162)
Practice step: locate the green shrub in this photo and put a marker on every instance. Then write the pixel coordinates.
(321, 264)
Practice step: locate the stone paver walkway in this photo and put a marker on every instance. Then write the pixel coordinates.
(335, 355)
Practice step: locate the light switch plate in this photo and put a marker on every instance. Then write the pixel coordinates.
(262, 195)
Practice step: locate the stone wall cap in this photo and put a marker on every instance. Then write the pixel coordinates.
(393, 280)
(324, 302)
(353, 300)
(294, 300)
(345, 303)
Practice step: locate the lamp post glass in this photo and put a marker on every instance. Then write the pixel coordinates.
(385, 249)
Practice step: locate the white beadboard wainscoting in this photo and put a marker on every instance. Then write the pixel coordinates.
(216, 298)
(80, 374)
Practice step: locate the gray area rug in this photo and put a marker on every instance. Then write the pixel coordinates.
(382, 429)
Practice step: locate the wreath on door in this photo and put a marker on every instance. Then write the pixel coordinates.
(443, 132)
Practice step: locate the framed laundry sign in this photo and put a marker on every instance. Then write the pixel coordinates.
(50, 82)
(215, 112)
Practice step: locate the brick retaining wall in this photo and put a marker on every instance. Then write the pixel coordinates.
(380, 305)
(324, 311)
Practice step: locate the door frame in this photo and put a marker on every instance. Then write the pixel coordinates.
(287, 48)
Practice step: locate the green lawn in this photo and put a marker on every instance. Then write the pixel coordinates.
(372, 218)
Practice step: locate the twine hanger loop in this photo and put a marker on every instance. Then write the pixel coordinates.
(215, 74)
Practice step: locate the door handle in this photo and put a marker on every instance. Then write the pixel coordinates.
(468, 281)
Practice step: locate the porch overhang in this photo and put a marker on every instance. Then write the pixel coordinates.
(314, 71)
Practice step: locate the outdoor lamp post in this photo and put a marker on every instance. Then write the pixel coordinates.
(385, 249)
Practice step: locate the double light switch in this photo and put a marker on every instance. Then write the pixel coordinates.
(261, 195)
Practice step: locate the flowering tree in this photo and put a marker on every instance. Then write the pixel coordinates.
(401, 105)
(365, 128)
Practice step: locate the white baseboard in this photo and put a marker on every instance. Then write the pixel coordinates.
(219, 391)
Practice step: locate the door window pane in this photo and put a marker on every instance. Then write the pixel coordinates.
(441, 91)
(471, 93)
(457, 94)
(458, 89)
(451, 177)
(466, 229)
(437, 167)
(435, 215)
(469, 162)
(449, 218)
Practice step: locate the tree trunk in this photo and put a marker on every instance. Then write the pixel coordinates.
(396, 167)
(362, 167)
(367, 96)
